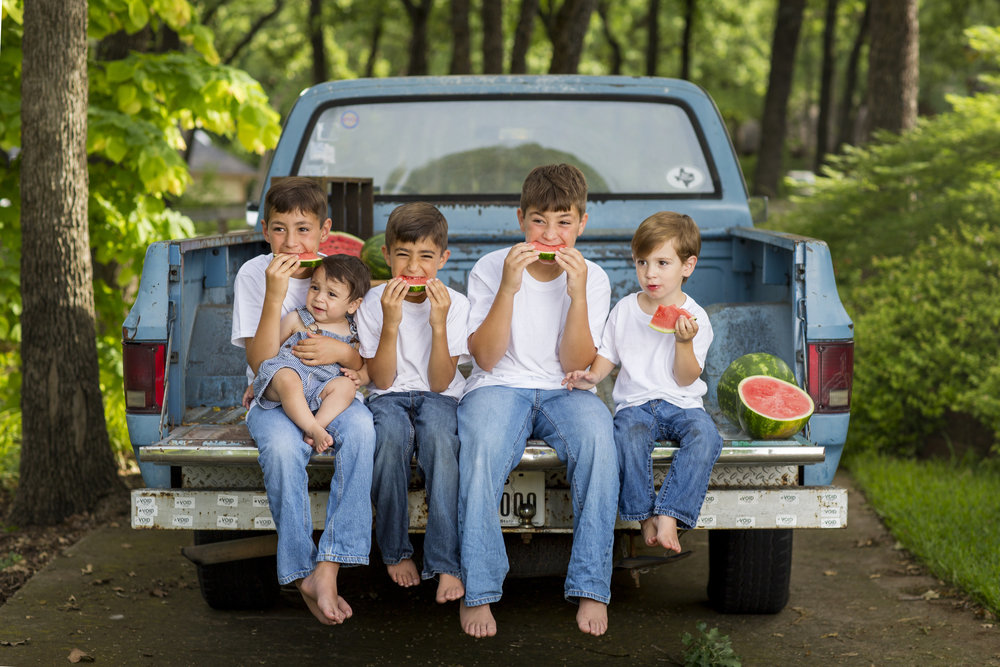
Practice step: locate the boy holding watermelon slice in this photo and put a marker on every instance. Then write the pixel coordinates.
(268, 287)
(532, 320)
(412, 331)
(658, 392)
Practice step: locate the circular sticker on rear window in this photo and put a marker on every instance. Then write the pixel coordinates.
(685, 178)
(349, 120)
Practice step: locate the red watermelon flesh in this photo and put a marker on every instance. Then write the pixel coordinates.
(341, 243)
(416, 283)
(665, 318)
(547, 251)
(771, 408)
(309, 259)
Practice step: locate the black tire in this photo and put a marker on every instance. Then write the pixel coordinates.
(749, 570)
(240, 584)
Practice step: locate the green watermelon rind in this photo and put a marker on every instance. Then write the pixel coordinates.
(371, 255)
(762, 427)
(311, 262)
(754, 363)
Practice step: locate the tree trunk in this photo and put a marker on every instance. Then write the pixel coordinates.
(604, 11)
(492, 37)
(652, 37)
(826, 85)
(522, 37)
(893, 66)
(845, 117)
(66, 461)
(254, 29)
(315, 19)
(689, 7)
(779, 85)
(567, 28)
(376, 39)
(419, 12)
(461, 40)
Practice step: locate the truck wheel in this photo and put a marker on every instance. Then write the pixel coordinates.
(749, 570)
(240, 584)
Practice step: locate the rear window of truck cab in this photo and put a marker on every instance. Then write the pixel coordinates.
(485, 147)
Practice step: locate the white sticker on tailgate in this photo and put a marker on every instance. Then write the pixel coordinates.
(523, 489)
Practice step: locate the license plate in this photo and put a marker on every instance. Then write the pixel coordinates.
(523, 488)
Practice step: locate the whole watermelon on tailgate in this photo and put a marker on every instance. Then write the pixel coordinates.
(772, 409)
(371, 255)
(341, 243)
(755, 363)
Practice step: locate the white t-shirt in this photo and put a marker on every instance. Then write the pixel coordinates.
(647, 356)
(539, 316)
(248, 299)
(413, 343)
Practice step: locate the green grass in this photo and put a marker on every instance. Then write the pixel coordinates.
(944, 513)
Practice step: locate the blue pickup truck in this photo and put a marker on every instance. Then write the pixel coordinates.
(465, 144)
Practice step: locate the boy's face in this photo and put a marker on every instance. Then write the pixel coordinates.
(294, 232)
(552, 227)
(422, 258)
(329, 300)
(662, 273)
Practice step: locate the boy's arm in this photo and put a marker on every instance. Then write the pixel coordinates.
(489, 342)
(266, 342)
(686, 367)
(382, 366)
(588, 379)
(441, 365)
(320, 350)
(576, 347)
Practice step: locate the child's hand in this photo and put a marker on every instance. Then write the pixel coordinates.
(392, 301)
(575, 266)
(319, 350)
(440, 298)
(520, 256)
(686, 329)
(358, 377)
(277, 273)
(247, 396)
(579, 380)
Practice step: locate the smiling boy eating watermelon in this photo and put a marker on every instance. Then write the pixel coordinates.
(658, 392)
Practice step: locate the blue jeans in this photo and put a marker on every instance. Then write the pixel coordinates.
(427, 421)
(683, 491)
(283, 457)
(494, 424)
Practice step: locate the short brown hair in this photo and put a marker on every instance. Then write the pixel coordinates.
(349, 270)
(296, 193)
(662, 227)
(554, 187)
(414, 221)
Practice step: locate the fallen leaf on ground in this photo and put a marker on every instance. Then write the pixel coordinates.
(15, 642)
(830, 573)
(87, 570)
(76, 655)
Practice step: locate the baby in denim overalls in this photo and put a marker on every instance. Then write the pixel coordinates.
(335, 292)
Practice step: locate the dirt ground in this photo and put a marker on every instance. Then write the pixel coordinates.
(120, 596)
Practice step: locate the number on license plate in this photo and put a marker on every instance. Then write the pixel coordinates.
(523, 488)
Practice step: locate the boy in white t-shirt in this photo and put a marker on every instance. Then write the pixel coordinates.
(532, 320)
(658, 392)
(412, 330)
(267, 288)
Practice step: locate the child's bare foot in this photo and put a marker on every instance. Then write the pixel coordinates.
(592, 617)
(449, 588)
(666, 532)
(478, 621)
(321, 586)
(318, 438)
(648, 526)
(404, 573)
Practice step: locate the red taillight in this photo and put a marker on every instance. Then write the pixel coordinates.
(831, 373)
(143, 365)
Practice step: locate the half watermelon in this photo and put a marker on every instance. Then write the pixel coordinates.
(310, 259)
(547, 252)
(772, 409)
(341, 243)
(754, 363)
(665, 318)
(416, 283)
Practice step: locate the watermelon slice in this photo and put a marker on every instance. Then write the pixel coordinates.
(416, 283)
(341, 243)
(310, 259)
(772, 409)
(547, 252)
(665, 318)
